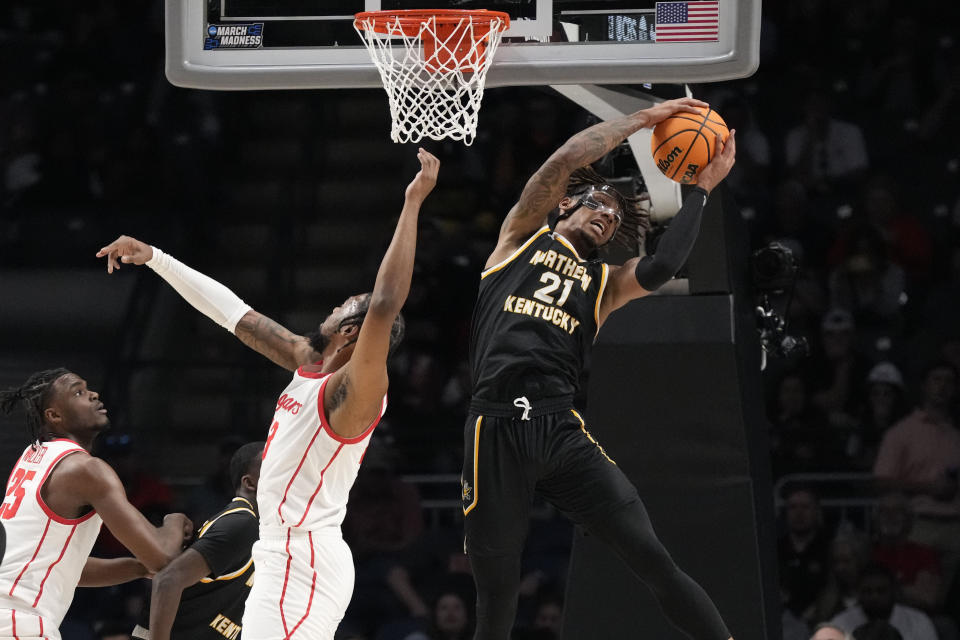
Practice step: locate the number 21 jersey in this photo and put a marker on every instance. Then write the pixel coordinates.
(535, 321)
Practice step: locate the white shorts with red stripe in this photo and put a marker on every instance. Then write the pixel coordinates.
(25, 626)
(302, 585)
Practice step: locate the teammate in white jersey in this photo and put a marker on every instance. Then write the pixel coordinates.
(323, 422)
(56, 498)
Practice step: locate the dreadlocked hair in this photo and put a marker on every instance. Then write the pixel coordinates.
(33, 395)
(635, 221)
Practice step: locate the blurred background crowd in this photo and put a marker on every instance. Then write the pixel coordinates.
(848, 154)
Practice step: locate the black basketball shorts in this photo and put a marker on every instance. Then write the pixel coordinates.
(509, 460)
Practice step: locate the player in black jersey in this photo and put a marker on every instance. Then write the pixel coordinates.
(201, 594)
(542, 299)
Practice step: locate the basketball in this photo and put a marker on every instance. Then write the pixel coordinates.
(684, 143)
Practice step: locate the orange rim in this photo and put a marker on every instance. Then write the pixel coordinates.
(412, 18)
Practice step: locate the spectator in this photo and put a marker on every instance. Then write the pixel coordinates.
(823, 151)
(877, 601)
(868, 285)
(836, 372)
(549, 616)
(803, 552)
(916, 566)
(849, 554)
(884, 406)
(829, 631)
(799, 428)
(920, 456)
(451, 617)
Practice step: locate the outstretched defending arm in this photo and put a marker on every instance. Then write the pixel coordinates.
(547, 186)
(639, 276)
(215, 301)
(353, 395)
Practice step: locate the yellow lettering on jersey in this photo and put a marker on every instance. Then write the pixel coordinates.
(564, 265)
(554, 315)
(585, 280)
(226, 627)
(249, 581)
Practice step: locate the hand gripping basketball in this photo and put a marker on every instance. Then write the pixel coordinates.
(663, 110)
(722, 162)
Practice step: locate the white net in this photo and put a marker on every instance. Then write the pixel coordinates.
(433, 71)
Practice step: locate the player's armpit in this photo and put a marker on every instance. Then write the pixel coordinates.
(271, 339)
(353, 397)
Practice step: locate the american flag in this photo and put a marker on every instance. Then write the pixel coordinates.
(688, 21)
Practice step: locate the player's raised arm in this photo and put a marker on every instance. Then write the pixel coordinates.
(546, 187)
(353, 395)
(639, 276)
(215, 301)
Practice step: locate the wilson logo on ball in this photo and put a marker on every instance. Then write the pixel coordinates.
(664, 163)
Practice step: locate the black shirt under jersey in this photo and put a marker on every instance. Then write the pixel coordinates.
(213, 608)
(535, 321)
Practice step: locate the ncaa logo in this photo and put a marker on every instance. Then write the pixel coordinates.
(212, 31)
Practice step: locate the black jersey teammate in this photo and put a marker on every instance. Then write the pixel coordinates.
(201, 594)
(540, 304)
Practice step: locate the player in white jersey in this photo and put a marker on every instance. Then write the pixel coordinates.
(321, 427)
(56, 498)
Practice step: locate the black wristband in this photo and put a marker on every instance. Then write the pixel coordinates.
(703, 191)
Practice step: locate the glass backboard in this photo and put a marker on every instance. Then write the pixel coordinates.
(291, 44)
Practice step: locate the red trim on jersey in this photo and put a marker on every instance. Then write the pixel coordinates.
(302, 371)
(297, 472)
(43, 505)
(283, 593)
(310, 502)
(35, 552)
(13, 618)
(338, 437)
(41, 624)
(55, 562)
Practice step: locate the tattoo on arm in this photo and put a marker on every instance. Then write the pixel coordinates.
(270, 338)
(547, 186)
(339, 395)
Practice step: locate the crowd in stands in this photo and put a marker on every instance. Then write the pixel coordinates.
(847, 155)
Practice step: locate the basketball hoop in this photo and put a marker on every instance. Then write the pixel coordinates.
(433, 64)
